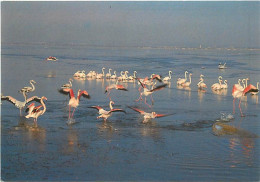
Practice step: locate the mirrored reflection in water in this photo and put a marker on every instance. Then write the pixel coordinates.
(51, 74)
(255, 98)
(201, 94)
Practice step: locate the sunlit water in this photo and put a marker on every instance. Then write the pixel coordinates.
(181, 146)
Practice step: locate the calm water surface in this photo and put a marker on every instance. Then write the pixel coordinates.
(182, 146)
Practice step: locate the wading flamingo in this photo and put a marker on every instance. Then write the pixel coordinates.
(35, 112)
(108, 75)
(148, 116)
(225, 85)
(28, 89)
(74, 102)
(106, 114)
(114, 86)
(147, 92)
(217, 86)
(101, 75)
(20, 104)
(238, 92)
(201, 84)
(114, 76)
(168, 78)
(187, 84)
(182, 80)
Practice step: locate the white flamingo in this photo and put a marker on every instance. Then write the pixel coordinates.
(114, 76)
(187, 84)
(225, 85)
(182, 80)
(28, 89)
(168, 78)
(217, 86)
(108, 75)
(101, 75)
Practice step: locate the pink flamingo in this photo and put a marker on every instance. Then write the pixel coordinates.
(35, 112)
(148, 116)
(114, 86)
(147, 92)
(74, 102)
(106, 114)
(238, 91)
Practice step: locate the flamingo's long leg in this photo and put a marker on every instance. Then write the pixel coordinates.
(234, 105)
(73, 112)
(69, 112)
(152, 99)
(240, 109)
(146, 102)
(140, 98)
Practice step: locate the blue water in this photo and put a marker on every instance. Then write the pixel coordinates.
(181, 146)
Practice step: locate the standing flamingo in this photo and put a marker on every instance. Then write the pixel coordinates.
(108, 75)
(148, 116)
(182, 80)
(28, 89)
(225, 85)
(238, 92)
(217, 86)
(114, 86)
(106, 114)
(201, 84)
(187, 84)
(35, 112)
(114, 76)
(101, 75)
(168, 78)
(74, 102)
(147, 92)
(20, 104)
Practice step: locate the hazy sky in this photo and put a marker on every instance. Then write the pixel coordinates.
(221, 24)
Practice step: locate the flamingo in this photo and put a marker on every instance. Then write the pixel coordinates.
(28, 89)
(238, 92)
(182, 80)
(35, 112)
(217, 86)
(67, 85)
(222, 66)
(114, 76)
(201, 84)
(74, 102)
(108, 75)
(101, 75)
(90, 74)
(257, 87)
(132, 77)
(187, 84)
(225, 85)
(147, 92)
(120, 78)
(114, 86)
(148, 116)
(20, 104)
(168, 78)
(106, 114)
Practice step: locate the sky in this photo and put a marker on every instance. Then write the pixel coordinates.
(181, 24)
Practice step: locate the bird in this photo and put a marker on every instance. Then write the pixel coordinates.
(114, 86)
(90, 74)
(187, 84)
(67, 85)
(147, 92)
(168, 78)
(74, 102)
(79, 73)
(108, 75)
(20, 104)
(238, 92)
(201, 84)
(225, 85)
(101, 75)
(148, 116)
(28, 89)
(217, 86)
(106, 114)
(133, 77)
(257, 87)
(113, 76)
(222, 66)
(182, 80)
(35, 112)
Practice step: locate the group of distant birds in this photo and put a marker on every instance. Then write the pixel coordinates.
(147, 87)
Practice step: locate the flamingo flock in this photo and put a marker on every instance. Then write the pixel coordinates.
(147, 87)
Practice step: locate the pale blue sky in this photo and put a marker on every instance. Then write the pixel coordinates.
(213, 24)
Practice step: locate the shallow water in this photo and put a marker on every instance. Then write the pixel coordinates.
(181, 146)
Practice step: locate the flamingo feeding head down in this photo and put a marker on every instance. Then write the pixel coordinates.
(148, 116)
(106, 114)
(74, 101)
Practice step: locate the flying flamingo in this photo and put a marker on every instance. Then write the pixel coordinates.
(20, 104)
(217, 86)
(148, 116)
(114, 86)
(182, 80)
(28, 89)
(147, 92)
(35, 112)
(201, 84)
(238, 92)
(74, 102)
(67, 85)
(187, 84)
(168, 78)
(106, 114)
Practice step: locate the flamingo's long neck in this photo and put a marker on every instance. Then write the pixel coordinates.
(33, 88)
(103, 71)
(239, 82)
(219, 80)
(121, 73)
(246, 82)
(190, 78)
(109, 71)
(126, 74)
(25, 97)
(185, 75)
(44, 106)
(134, 74)
(244, 86)
(110, 105)
(170, 75)
(257, 85)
